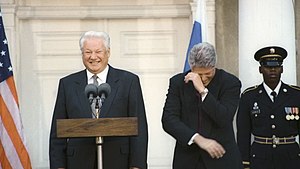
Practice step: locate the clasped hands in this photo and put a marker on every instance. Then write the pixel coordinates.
(214, 149)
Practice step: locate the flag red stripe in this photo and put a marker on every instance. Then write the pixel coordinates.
(4, 161)
(11, 84)
(14, 135)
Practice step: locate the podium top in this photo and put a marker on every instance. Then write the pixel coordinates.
(88, 127)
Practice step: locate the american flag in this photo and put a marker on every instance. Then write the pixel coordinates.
(13, 151)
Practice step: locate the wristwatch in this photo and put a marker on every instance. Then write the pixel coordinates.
(204, 92)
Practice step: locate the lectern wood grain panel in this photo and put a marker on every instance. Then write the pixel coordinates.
(85, 127)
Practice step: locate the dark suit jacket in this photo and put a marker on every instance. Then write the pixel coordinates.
(125, 100)
(184, 115)
(251, 121)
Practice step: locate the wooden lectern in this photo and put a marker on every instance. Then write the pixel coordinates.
(98, 128)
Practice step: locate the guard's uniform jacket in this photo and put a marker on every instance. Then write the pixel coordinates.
(273, 126)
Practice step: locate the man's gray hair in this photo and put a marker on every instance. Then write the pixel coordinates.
(202, 55)
(93, 34)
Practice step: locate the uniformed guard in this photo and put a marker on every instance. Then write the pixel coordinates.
(268, 117)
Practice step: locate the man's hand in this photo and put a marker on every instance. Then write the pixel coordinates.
(214, 149)
(197, 82)
(134, 168)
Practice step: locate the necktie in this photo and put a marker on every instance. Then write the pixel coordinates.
(95, 82)
(274, 94)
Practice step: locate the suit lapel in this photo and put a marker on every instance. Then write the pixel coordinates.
(80, 83)
(113, 81)
(214, 84)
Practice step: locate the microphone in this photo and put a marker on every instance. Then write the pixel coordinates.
(91, 92)
(103, 91)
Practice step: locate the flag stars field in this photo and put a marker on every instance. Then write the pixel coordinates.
(3, 53)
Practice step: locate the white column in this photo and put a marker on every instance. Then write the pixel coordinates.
(265, 23)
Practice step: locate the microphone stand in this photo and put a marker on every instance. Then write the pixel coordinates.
(99, 139)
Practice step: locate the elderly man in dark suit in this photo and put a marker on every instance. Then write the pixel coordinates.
(125, 100)
(199, 111)
(269, 112)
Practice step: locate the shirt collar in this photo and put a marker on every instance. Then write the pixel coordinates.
(268, 90)
(102, 75)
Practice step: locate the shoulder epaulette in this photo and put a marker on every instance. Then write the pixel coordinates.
(295, 87)
(250, 89)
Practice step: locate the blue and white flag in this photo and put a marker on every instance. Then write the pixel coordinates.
(196, 36)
